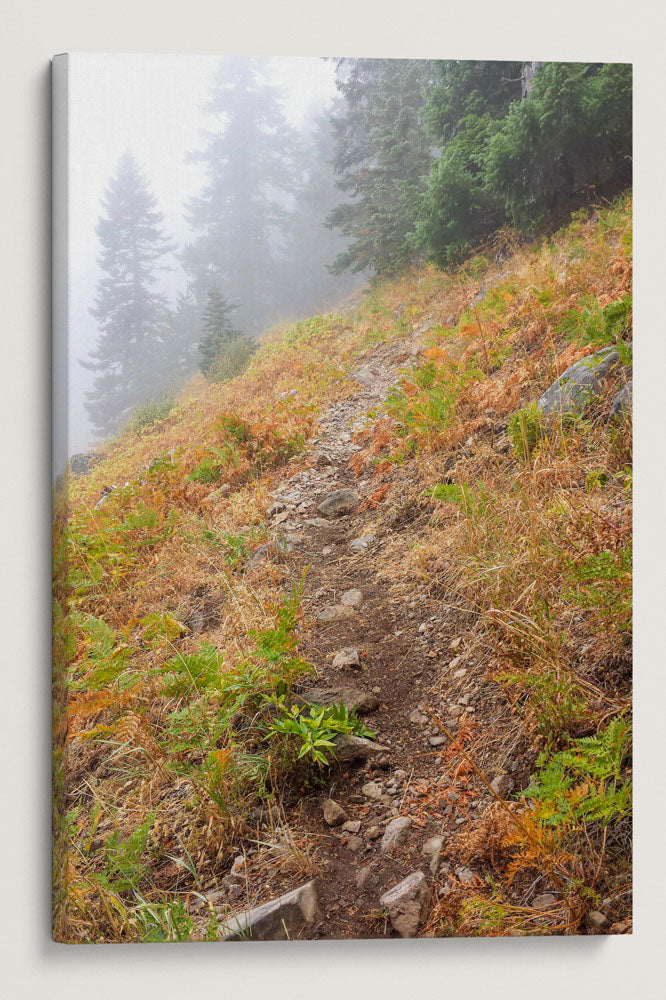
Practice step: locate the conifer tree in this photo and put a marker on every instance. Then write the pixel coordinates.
(132, 316)
(240, 216)
(382, 158)
(217, 328)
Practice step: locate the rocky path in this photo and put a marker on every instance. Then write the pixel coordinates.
(384, 819)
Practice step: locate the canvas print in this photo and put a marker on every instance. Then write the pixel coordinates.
(342, 498)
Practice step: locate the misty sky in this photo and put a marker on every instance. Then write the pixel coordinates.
(151, 105)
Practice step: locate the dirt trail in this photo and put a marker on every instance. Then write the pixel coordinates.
(394, 637)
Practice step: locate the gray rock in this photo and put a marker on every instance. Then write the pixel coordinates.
(502, 785)
(373, 833)
(407, 904)
(433, 850)
(334, 814)
(437, 741)
(352, 598)
(347, 657)
(621, 405)
(396, 833)
(372, 790)
(361, 544)
(278, 920)
(352, 826)
(335, 613)
(356, 748)
(353, 700)
(579, 384)
(355, 843)
(339, 502)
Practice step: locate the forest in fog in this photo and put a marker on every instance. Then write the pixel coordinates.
(405, 161)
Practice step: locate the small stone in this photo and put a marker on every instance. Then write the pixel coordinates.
(465, 875)
(334, 814)
(454, 662)
(396, 833)
(351, 598)
(327, 550)
(335, 613)
(373, 833)
(347, 657)
(355, 843)
(437, 741)
(597, 920)
(383, 762)
(417, 718)
(455, 644)
(376, 690)
(238, 865)
(339, 502)
(361, 544)
(459, 673)
(502, 785)
(407, 904)
(433, 850)
(352, 825)
(356, 748)
(372, 790)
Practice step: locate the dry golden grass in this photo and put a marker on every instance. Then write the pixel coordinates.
(502, 562)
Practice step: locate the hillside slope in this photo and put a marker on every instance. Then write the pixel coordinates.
(375, 513)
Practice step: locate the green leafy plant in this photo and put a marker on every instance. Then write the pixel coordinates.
(586, 782)
(193, 672)
(313, 728)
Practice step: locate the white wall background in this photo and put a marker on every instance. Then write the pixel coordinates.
(32, 31)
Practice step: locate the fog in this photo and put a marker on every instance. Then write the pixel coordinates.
(154, 108)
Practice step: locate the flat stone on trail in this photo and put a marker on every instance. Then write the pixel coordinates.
(347, 657)
(335, 613)
(351, 698)
(372, 790)
(280, 919)
(396, 833)
(334, 814)
(356, 748)
(361, 544)
(407, 904)
(352, 826)
(352, 598)
(339, 502)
